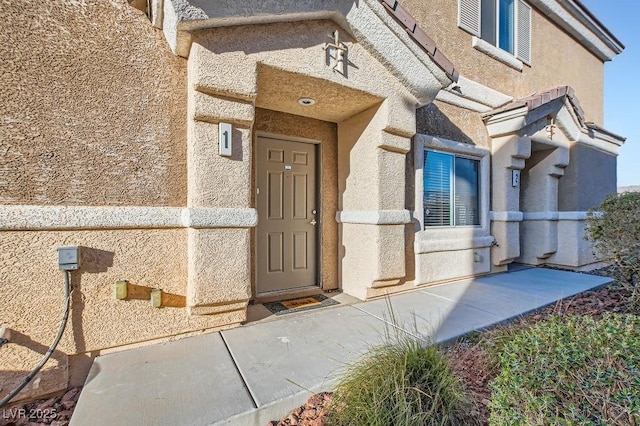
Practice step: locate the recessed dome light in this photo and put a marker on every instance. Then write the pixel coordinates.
(306, 101)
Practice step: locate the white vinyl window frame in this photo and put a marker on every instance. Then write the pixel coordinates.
(427, 234)
(470, 20)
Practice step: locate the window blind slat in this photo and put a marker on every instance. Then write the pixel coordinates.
(506, 30)
(437, 189)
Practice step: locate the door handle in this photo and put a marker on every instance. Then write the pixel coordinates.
(313, 222)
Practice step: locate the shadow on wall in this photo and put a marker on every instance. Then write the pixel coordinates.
(430, 120)
(169, 300)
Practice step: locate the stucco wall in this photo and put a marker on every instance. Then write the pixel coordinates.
(557, 59)
(588, 168)
(93, 109)
(94, 113)
(302, 127)
(451, 122)
(32, 292)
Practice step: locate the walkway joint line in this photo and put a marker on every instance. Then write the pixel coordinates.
(244, 379)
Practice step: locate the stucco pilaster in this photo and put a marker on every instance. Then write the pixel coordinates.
(539, 199)
(508, 154)
(219, 258)
(372, 201)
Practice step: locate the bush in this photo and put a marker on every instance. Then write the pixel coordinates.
(614, 229)
(571, 370)
(401, 383)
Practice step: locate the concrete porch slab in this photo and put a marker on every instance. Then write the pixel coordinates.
(515, 293)
(545, 282)
(306, 351)
(259, 372)
(429, 316)
(192, 381)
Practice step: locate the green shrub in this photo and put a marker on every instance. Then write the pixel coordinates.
(571, 370)
(614, 229)
(400, 383)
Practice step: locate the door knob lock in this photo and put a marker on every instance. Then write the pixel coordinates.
(313, 222)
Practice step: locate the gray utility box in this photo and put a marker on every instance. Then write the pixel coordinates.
(69, 258)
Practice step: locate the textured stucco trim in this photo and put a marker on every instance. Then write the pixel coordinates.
(550, 215)
(589, 32)
(374, 217)
(512, 216)
(469, 94)
(562, 104)
(456, 100)
(605, 145)
(535, 216)
(157, 13)
(219, 218)
(43, 218)
(439, 143)
(431, 246)
(480, 93)
(496, 53)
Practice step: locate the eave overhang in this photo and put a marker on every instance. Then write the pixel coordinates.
(574, 18)
(558, 107)
(379, 25)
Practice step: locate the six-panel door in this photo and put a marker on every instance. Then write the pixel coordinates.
(287, 214)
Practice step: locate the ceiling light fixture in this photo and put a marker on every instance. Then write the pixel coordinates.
(306, 101)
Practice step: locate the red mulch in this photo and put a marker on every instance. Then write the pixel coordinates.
(469, 360)
(310, 414)
(55, 411)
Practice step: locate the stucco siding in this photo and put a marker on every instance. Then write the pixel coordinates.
(94, 107)
(454, 123)
(590, 169)
(557, 58)
(33, 293)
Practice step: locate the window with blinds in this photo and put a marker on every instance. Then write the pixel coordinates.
(451, 190)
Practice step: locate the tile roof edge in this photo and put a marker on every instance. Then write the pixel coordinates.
(537, 99)
(592, 126)
(421, 38)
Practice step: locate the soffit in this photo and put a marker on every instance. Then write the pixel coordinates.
(280, 90)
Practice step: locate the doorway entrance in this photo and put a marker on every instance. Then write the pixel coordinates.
(287, 203)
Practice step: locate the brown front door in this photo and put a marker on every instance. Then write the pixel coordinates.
(287, 215)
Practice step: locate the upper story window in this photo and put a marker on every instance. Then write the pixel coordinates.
(499, 24)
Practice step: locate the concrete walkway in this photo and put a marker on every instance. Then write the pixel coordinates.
(259, 372)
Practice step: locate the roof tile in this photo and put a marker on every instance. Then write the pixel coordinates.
(421, 38)
(405, 18)
(424, 40)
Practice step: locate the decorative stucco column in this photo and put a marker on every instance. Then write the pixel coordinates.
(371, 161)
(508, 155)
(219, 257)
(539, 195)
